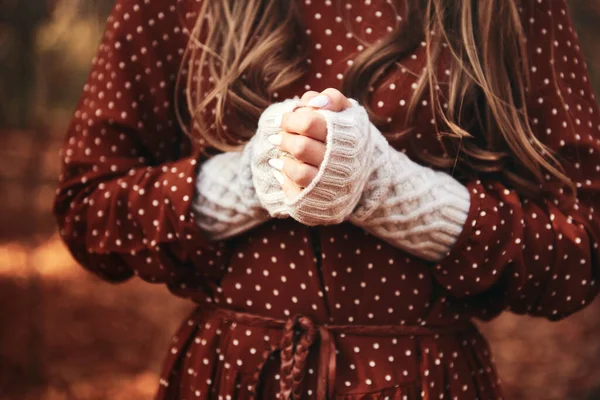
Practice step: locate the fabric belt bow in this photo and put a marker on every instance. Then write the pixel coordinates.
(300, 334)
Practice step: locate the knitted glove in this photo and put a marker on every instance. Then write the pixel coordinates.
(415, 208)
(226, 203)
(268, 190)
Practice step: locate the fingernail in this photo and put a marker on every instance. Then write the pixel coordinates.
(276, 163)
(275, 139)
(318, 101)
(278, 176)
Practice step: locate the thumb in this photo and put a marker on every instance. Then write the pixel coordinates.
(329, 99)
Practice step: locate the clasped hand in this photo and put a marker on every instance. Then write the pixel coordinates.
(303, 135)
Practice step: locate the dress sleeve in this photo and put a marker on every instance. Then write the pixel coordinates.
(530, 255)
(123, 201)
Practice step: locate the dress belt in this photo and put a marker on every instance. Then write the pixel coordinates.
(299, 337)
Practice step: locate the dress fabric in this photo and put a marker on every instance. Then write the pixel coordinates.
(123, 206)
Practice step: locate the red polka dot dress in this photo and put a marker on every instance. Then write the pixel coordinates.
(290, 311)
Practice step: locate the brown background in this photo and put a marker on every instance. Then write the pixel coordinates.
(66, 335)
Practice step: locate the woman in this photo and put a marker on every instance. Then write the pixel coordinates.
(338, 245)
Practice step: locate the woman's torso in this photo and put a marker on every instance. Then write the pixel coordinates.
(339, 274)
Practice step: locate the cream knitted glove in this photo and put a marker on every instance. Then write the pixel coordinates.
(268, 190)
(226, 203)
(415, 208)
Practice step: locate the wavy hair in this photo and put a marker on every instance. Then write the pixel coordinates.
(235, 68)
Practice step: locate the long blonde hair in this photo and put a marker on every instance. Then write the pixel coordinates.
(236, 67)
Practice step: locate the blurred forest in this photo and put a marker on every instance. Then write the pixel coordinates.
(66, 335)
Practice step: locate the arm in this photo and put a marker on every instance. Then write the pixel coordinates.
(534, 256)
(129, 173)
(531, 255)
(412, 207)
(226, 203)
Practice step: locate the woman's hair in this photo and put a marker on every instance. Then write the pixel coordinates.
(234, 69)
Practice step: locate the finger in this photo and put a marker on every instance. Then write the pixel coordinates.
(303, 148)
(330, 99)
(300, 173)
(290, 189)
(306, 97)
(338, 102)
(305, 122)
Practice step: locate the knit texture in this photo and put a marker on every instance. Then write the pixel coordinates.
(415, 208)
(337, 187)
(226, 203)
(268, 190)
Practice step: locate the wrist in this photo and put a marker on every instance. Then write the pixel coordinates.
(337, 187)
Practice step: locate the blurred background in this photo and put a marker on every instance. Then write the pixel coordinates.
(66, 335)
